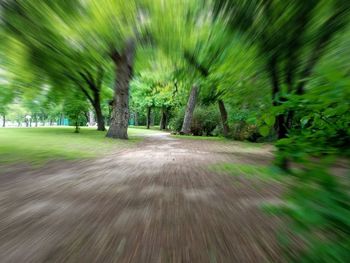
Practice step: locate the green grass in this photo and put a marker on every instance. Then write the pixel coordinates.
(154, 128)
(39, 145)
(209, 138)
(220, 139)
(247, 171)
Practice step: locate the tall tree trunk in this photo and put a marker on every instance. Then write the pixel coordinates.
(148, 117)
(3, 120)
(280, 126)
(99, 116)
(163, 120)
(120, 113)
(223, 113)
(191, 104)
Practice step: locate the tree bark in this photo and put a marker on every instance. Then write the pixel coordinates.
(191, 104)
(3, 120)
(98, 111)
(120, 113)
(148, 117)
(164, 119)
(223, 113)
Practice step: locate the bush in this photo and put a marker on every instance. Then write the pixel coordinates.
(242, 131)
(206, 121)
(318, 209)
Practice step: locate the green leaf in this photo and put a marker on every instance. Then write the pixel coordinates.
(304, 121)
(264, 130)
(270, 120)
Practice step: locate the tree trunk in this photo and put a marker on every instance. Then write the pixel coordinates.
(191, 104)
(120, 113)
(3, 120)
(99, 116)
(148, 117)
(280, 119)
(223, 113)
(164, 119)
(100, 119)
(93, 96)
(280, 126)
(76, 127)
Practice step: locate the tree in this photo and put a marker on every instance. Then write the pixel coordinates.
(155, 87)
(120, 115)
(186, 126)
(53, 49)
(75, 109)
(291, 45)
(6, 97)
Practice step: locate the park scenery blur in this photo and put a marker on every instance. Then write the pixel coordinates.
(175, 131)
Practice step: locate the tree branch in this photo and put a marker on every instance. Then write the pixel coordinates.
(77, 82)
(192, 61)
(99, 78)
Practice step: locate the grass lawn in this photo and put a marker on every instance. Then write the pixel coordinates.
(243, 144)
(39, 145)
(155, 128)
(248, 171)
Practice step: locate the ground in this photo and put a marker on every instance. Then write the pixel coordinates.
(165, 199)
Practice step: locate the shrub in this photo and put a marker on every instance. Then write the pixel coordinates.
(318, 209)
(242, 131)
(205, 121)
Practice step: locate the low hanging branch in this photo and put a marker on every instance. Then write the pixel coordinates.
(77, 82)
(192, 61)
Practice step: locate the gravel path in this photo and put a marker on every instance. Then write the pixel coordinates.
(157, 202)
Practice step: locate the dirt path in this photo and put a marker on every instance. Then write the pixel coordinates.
(157, 202)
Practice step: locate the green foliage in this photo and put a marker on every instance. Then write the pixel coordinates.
(321, 123)
(276, 64)
(318, 211)
(76, 109)
(248, 171)
(318, 202)
(204, 121)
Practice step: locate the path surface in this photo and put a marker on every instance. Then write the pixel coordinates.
(157, 202)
